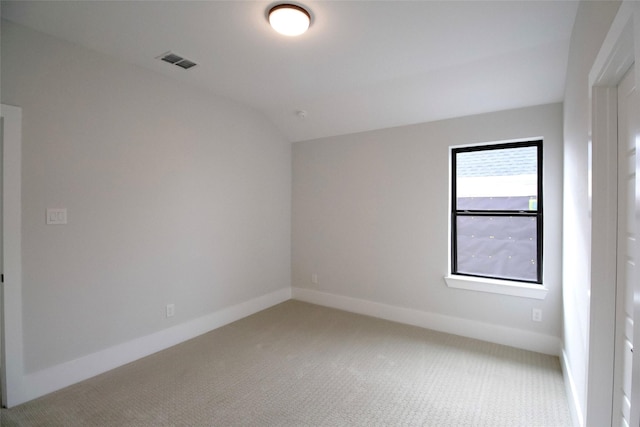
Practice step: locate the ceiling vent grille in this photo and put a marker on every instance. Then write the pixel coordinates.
(178, 60)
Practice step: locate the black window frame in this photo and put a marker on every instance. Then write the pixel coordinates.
(538, 213)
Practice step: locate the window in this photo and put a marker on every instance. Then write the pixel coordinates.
(496, 211)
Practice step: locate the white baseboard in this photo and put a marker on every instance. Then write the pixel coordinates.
(42, 382)
(518, 338)
(51, 379)
(572, 392)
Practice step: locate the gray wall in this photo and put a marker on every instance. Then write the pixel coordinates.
(173, 196)
(591, 26)
(370, 216)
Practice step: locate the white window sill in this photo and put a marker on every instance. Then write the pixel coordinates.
(495, 286)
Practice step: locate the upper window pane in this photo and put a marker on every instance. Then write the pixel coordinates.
(504, 179)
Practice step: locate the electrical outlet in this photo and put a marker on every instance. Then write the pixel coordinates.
(314, 278)
(536, 315)
(171, 310)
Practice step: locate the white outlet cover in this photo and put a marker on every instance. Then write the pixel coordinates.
(171, 310)
(536, 315)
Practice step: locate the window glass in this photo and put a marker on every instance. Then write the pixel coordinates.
(497, 211)
(498, 247)
(504, 179)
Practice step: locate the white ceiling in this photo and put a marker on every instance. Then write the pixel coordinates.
(362, 65)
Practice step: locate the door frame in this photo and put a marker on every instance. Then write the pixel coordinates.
(620, 49)
(12, 357)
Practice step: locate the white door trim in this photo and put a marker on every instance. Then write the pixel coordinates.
(619, 50)
(12, 250)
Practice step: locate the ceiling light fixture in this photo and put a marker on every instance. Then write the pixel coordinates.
(289, 19)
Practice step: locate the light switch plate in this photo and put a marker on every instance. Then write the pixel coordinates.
(56, 216)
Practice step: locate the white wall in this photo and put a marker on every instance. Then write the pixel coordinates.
(173, 196)
(370, 218)
(592, 23)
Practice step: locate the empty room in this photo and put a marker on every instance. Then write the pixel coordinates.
(319, 213)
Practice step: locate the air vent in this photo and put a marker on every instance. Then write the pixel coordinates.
(186, 64)
(178, 60)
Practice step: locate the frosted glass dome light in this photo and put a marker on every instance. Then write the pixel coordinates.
(289, 19)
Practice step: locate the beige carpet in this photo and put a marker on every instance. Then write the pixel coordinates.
(298, 364)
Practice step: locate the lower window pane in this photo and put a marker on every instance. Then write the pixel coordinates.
(499, 247)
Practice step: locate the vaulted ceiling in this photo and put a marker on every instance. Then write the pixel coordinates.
(362, 65)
